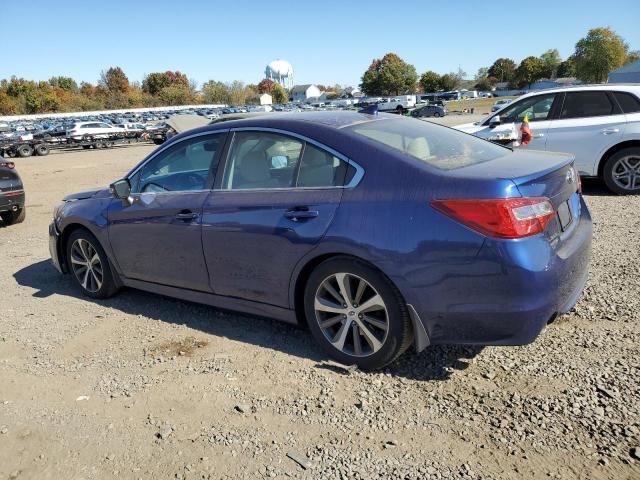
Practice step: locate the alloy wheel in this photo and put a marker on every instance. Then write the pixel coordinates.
(86, 265)
(351, 314)
(626, 172)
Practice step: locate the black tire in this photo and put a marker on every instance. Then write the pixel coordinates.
(400, 110)
(612, 167)
(158, 141)
(11, 218)
(436, 114)
(86, 147)
(399, 332)
(24, 150)
(42, 149)
(108, 286)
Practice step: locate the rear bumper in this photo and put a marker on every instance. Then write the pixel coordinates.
(11, 202)
(511, 290)
(54, 245)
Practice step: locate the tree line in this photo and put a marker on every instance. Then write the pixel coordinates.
(598, 53)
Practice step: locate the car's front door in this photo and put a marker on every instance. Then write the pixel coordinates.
(590, 122)
(539, 110)
(158, 237)
(274, 203)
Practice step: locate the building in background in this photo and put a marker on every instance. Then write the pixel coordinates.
(265, 99)
(281, 72)
(304, 93)
(628, 74)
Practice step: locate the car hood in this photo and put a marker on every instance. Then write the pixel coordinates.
(98, 193)
(469, 127)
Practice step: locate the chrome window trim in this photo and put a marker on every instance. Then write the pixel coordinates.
(357, 177)
(165, 146)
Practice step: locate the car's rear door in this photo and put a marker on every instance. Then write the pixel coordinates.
(274, 203)
(158, 238)
(589, 123)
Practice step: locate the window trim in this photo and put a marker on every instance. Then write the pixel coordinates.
(357, 177)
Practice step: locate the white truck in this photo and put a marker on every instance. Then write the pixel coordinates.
(399, 104)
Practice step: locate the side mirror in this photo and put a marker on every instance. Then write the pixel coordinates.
(494, 122)
(121, 189)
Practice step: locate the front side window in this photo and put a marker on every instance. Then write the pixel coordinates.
(262, 160)
(184, 166)
(587, 104)
(535, 109)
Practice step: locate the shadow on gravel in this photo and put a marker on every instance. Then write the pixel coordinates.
(435, 363)
(594, 187)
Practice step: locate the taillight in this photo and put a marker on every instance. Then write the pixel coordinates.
(500, 217)
(8, 164)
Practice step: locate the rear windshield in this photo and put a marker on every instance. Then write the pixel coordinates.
(440, 147)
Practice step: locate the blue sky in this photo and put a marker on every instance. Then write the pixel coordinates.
(326, 41)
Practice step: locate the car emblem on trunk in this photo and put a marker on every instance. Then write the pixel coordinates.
(571, 176)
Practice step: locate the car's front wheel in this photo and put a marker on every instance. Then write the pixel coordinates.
(356, 313)
(89, 265)
(621, 173)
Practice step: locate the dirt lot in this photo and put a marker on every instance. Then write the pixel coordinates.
(142, 386)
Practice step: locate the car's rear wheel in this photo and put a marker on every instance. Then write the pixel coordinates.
(621, 172)
(436, 114)
(89, 265)
(13, 217)
(356, 313)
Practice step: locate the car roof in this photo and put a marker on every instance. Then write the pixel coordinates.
(621, 87)
(335, 119)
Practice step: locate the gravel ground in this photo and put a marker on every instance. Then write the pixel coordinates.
(142, 386)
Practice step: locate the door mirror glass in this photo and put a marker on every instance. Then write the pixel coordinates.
(121, 189)
(279, 161)
(494, 122)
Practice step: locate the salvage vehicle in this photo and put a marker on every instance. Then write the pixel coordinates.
(598, 124)
(298, 216)
(12, 198)
(429, 111)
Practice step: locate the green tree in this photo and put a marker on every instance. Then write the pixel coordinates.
(482, 74)
(448, 81)
(430, 81)
(176, 95)
(279, 94)
(389, 76)
(529, 70)
(238, 93)
(551, 59)
(502, 69)
(597, 54)
(154, 82)
(114, 80)
(567, 68)
(215, 92)
(66, 83)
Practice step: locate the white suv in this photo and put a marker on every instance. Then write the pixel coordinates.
(95, 129)
(599, 124)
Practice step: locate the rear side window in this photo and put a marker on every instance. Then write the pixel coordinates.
(438, 146)
(321, 169)
(629, 103)
(587, 104)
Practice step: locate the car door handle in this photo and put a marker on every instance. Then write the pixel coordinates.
(300, 213)
(538, 135)
(186, 216)
(609, 131)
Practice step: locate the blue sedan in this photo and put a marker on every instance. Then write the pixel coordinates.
(377, 232)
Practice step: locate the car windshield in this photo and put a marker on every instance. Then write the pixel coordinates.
(438, 146)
